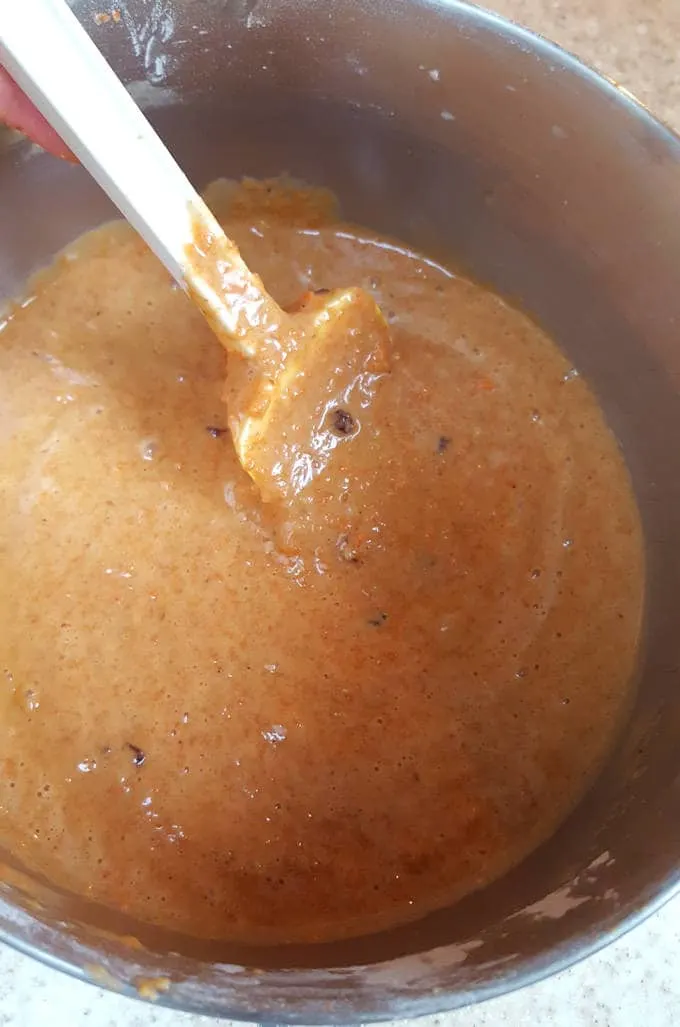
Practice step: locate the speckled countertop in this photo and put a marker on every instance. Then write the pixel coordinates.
(635, 42)
(636, 981)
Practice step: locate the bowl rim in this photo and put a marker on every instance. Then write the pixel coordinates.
(535, 968)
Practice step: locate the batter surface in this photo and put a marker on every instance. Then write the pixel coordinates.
(218, 730)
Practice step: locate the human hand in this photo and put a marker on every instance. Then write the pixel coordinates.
(17, 111)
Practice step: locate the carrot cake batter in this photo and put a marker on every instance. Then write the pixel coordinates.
(272, 724)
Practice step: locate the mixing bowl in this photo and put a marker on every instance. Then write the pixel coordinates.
(479, 143)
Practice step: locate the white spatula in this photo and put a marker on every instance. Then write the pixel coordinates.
(57, 65)
(296, 366)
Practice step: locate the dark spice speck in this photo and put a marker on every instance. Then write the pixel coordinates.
(216, 432)
(343, 423)
(443, 444)
(138, 755)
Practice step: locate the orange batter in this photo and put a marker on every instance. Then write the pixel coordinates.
(265, 724)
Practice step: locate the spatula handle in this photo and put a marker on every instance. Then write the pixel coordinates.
(54, 61)
(51, 57)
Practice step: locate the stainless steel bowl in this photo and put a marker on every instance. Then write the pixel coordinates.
(476, 141)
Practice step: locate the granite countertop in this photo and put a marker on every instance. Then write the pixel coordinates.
(635, 981)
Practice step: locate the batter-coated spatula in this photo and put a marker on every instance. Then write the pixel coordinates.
(289, 372)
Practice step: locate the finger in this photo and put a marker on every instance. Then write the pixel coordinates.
(17, 111)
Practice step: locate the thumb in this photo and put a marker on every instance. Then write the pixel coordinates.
(17, 111)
